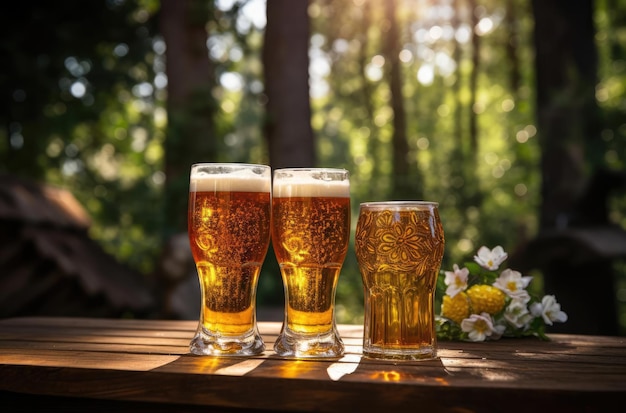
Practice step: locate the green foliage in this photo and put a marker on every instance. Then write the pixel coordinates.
(109, 144)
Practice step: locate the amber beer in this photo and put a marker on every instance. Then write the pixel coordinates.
(310, 235)
(399, 247)
(229, 220)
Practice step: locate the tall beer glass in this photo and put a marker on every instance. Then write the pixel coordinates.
(229, 220)
(399, 246)
(310, 235)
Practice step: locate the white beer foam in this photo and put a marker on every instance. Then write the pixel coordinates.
(241, 181)
(310, 187)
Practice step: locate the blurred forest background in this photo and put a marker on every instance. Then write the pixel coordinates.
(511, 114)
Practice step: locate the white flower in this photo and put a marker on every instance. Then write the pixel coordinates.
(549, 310)
(513, 284)
(517, 313)
(490, 259)
(480, 326)
(456, 280)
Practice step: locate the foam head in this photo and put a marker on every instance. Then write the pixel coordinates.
(311, 183)
(229, 178)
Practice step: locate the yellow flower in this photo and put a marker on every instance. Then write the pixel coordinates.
(456, 308)
(486, 298)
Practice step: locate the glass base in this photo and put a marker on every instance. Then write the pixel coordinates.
(386, 353)
(206, 343)
(294, 345)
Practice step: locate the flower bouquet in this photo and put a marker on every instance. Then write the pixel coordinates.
(481, 304)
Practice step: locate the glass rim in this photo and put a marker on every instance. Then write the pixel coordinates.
(396, 204)
(304, 169)
(234, 164)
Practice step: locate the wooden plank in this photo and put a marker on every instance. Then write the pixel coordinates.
(529, 372)
(296, 394)
(148, 361)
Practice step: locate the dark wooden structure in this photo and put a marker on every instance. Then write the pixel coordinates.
(576, 256)
(49, 265)
(96, 365)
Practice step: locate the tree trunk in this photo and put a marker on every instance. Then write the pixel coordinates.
(566, 66)
(286, 64)
(473, 82)
(512, 40)
(405, 183)
(366, 92)
(190, 139)
(568, 126)
(190, 107)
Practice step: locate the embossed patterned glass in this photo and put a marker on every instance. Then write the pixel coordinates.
(229, 219)
(310, 235)
(399, 247)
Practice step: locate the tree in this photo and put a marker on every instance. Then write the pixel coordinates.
(406, 183)
(571, 146)
(286, 64)
(190, 106)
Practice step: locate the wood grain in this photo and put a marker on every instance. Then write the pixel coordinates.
(139, 363)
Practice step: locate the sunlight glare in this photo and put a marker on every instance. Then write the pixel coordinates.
(225, 5)
(140, 139)
(420, 36)
(521, 136)
(77, 68)
(232, 140)
(465, 245)
(435, 33)
(159, 47)
(508, 105)
(160, 81)
(231, 81)
(405, 56)
(484, 26)
(235, 54)
(218, 46)
(445, 64)
(55, 147)
(426, 74)
(423, 143)
(447, 32)
(341, 46)
(256, 86)
(254, 12)
(228, 106)
(158, 178)
(16, 140)
(491, 158)
(463, 34)
(121, 50)
(497, 172)
(319, 67)
(373, 73)
(71, 167)
(478, 108)
(143, 89)
(78, 89)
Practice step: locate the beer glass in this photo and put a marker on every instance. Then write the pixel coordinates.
(229, 220)
(399, 246)
(310, 235)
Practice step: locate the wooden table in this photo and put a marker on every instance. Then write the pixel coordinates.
(92, 365)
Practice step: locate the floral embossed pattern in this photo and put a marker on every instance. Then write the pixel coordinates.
(399, 240)
(399, 246)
